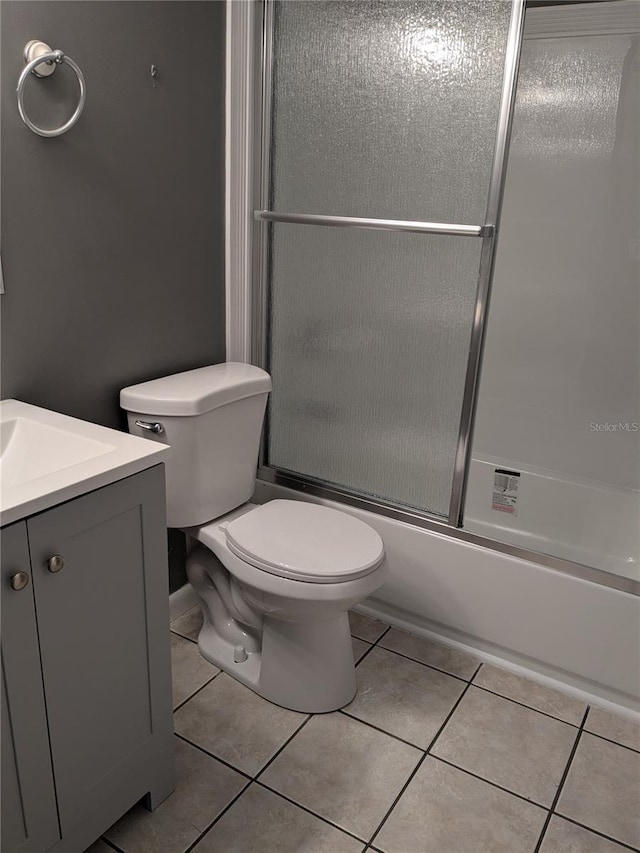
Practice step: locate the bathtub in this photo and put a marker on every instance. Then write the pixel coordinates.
(580, 520)
(571, 633)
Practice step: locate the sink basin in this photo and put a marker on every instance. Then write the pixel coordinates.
(47, 458)
(30, 450)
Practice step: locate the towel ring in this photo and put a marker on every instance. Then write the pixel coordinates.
(38, 54)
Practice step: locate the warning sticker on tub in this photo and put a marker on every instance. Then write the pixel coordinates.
(505, 491)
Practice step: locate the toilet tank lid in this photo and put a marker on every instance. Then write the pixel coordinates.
(195, 392)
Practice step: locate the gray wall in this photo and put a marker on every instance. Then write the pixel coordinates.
(113, 234)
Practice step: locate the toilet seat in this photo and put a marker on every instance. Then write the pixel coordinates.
(305, 542)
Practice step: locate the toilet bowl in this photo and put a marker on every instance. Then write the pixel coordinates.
(276, 580)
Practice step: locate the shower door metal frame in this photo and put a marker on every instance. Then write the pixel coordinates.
(487, 232)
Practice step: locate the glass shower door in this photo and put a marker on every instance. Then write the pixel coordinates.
(384, 132)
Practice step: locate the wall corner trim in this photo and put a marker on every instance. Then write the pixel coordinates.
(239, 171)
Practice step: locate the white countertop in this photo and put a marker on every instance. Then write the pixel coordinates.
(47, 458)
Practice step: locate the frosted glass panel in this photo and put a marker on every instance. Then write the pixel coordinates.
(369, 336)
(386, 109)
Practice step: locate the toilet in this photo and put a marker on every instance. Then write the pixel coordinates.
(275, 581)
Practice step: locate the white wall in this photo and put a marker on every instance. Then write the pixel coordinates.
(562, 349)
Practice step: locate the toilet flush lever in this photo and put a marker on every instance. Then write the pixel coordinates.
(151, 426)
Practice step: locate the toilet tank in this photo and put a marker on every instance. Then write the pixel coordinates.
(212, 419)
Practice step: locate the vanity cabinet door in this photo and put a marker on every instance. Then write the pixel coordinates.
(29, 819)
(100, 579)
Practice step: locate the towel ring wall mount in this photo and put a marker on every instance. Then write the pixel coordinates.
(42, 61)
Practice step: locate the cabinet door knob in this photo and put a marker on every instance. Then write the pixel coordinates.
(55, 563)
(19, 581)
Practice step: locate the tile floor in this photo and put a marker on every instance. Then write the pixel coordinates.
(436, 753)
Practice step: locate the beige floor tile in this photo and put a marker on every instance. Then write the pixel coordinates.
(343, 770)
(189, 669)
(565, 837)
(204, 787)
(234, 723)
(447, 811)
(613, 726)
(434, 654)
(188, 625)
(520, 749)
(530, 693)
(262, 822)
(602, 790)
(366, 628)
(403, 697)
(359, 648)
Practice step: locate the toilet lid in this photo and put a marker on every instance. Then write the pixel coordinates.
(304, 541)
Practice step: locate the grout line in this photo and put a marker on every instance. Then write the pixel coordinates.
(110, 844)
(254, 779)
(597, 832)
(184, 637)
(371, 647)
(250, 779)
(284, 746)
(243, 772)
(195, 692)
(211, 755)
(489, 782)
(420, 762)
(563, 779)
(430, 666)
(382, 731)
(384, 634)
(217, 817)
(309, 811)
(371, 642)
(479, 667)
(362, 656)
(528, 707)
(614, 742)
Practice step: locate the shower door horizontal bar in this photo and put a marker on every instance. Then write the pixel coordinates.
(409, 225)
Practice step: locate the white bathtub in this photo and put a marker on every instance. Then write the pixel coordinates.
(580, 520)
(581, 636)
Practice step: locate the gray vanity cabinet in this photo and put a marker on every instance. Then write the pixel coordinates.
(29, 818)
(102, 624)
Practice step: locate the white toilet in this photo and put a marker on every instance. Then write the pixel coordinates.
(276, 580)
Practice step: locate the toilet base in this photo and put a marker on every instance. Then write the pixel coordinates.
(303, 667)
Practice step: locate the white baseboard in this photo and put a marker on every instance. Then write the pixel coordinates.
(181, 600)
(571, 685)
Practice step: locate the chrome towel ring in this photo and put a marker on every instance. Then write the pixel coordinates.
(42, 61)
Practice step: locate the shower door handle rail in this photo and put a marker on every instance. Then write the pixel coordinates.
(406, 225)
